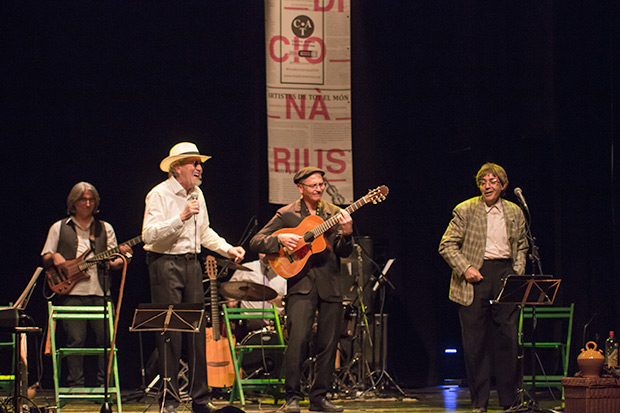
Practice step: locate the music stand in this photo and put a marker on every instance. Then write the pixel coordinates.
(530, 290)
(185, 318)
(20, 381)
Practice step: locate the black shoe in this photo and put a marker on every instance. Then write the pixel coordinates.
(324, 405)
(291, 406)
(203, 408)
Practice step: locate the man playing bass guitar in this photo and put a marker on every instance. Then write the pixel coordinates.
(314, 288)
(81, 235)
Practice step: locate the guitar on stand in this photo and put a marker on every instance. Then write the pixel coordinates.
(63, 278)
(288, 263)
(220, 371)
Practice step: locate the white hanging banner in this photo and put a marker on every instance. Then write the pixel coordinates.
(308, 47)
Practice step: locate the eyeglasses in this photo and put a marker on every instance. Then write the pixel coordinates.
(492, 182)
(322, 185)
(195, 163)
(86, 200)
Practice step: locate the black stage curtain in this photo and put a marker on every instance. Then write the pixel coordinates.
(100, 92)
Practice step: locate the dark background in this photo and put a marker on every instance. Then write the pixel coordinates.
(101, 91)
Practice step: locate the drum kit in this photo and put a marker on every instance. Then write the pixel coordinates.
(243, 290)
(262, 364)
(247, 291)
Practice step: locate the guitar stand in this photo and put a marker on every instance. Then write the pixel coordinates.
(185, 318)
(530, 290)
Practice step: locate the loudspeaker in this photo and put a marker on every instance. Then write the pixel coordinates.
(371, 344)
(377, 355)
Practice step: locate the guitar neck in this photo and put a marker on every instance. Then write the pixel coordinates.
(215, 314)
(334, 219)
(107, 254)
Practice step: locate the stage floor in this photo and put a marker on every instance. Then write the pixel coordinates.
(429, 400)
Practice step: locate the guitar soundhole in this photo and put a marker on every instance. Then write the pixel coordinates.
(302, 252)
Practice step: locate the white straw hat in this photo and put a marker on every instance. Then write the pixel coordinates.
(180, 151)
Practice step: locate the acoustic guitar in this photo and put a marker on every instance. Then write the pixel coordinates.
(288, 263)
(220, 371)
(62, 279)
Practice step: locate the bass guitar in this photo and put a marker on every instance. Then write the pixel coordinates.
(220, 371)
(63, 278)
(288, 263)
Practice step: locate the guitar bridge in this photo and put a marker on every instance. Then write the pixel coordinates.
(288, 256)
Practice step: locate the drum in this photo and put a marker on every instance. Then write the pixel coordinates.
(263, 362)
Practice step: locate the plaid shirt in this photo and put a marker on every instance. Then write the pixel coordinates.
(464, 242)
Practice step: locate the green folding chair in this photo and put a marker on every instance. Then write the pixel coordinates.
(272, 386)
(561, 344)
(58, 353)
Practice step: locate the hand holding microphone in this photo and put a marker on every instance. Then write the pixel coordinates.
(192, 208)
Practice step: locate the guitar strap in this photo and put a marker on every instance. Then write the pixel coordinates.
(91, 238)
(103, 279)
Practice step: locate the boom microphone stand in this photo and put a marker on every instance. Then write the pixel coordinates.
(382, 281)
(537, 291)
(104, 265)
(362, 335)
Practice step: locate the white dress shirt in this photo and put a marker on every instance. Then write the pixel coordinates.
(497, 246)
(163, 231)
(268, 278)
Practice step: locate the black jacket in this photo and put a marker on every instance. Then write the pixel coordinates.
(322, 268)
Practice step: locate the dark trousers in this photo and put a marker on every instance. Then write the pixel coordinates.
(300, 313)
(175, 280)
(76, 332)
(489, 334)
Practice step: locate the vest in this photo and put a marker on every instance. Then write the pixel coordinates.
(67, 241)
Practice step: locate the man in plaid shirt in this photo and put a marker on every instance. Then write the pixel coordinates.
(486, 241)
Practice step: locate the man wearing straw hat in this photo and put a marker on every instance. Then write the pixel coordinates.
(176, 225)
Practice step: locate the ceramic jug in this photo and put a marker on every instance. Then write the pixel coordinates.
(591, 361)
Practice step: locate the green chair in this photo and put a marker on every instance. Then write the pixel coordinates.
(563, 315)
(271, 386)
(81, 313)
(7, 347)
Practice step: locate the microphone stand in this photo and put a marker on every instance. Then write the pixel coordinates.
(382, 281)
(104, 265)
(534, 256)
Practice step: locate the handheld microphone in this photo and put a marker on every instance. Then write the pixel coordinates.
(194, 197)
(520, 197)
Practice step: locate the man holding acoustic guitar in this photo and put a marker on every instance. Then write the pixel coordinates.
(176, 225)
(69, 243)
(312, 282)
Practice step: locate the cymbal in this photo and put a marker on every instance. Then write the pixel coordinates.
(223, 262)
(247, 291)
